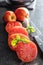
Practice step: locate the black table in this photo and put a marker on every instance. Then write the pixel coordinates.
(7, 57)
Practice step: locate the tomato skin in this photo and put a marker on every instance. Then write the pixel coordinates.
(11, 37)
(9, 16)
(22, 13)
(27, 52)
(10, 25)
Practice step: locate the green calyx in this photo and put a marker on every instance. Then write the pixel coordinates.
(17, 39)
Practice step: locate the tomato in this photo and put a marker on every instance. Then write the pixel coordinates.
(9, 16)
(13, 36)
(18, 29)
(10, 25)
(26, 49)
(22, 13)
(27, 52)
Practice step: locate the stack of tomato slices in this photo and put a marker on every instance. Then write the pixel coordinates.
(18, 36)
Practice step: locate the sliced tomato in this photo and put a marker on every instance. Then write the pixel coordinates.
(13, 36)
(10, 25)
(27, 52)
(18, 29)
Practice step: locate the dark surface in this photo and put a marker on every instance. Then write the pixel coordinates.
(7, 57)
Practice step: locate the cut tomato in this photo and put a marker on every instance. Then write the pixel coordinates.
(13, 36)
(18, 29)
(27, 52)
(10, 25)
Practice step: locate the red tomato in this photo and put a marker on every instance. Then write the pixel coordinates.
(13, 36)
(18, 29)
(27, 52)
(9, 16)
(22, 13)
(10, 25)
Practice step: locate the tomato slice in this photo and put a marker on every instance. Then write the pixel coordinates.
(27, 52)
(10, 25)
(18, 29)
(13, 36)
